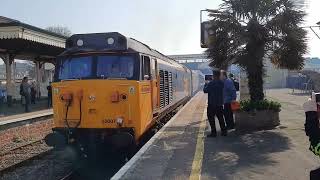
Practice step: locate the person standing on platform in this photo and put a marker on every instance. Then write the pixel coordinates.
(235, 82)
(215, 104)
(49, 88)
(25, 92)
(2, 95)
(229, 95)
(33, 93)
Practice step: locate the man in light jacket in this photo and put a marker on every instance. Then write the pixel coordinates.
(229, 95)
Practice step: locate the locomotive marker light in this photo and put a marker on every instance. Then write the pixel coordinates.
(115, 97)
(80, 42)
(110, 41)
(119, 121)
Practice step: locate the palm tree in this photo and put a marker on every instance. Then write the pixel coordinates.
(247, 32)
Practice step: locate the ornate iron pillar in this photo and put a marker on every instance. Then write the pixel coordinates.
(8, 60)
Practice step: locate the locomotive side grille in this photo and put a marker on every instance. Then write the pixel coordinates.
(162, 92)
(170, 88)
(166, 87)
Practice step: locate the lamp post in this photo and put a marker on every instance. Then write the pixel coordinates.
(311, 27)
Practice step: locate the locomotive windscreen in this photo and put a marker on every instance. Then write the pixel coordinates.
(98, 67)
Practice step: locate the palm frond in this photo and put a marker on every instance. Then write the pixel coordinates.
(244, 32)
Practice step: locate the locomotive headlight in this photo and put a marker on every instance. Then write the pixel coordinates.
(80, 42)
(119, 121)
(110, 41)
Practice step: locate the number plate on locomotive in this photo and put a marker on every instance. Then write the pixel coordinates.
(108, 121)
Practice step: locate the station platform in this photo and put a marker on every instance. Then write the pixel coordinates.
(25, 116)
(181, 149)
(17, 108)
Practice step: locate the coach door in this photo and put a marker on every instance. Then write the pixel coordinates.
(150, 74)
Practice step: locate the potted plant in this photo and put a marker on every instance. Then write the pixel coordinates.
(257, 115)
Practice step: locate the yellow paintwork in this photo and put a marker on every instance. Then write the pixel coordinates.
(98, 111)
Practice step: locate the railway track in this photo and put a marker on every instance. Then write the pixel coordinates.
(68, 176)
(22, 155)
(30, 163)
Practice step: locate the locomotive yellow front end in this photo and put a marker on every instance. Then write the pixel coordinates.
(98, 95)
(95, 103)
(97, 110)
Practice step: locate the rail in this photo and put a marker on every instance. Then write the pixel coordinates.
(68, 176)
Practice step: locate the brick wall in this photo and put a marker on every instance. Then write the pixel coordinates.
(15, 136)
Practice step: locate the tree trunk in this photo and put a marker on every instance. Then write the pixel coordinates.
(255, 82)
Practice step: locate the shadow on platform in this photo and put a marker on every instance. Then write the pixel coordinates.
(224, 157)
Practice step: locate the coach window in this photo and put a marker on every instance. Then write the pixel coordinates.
(146, 68)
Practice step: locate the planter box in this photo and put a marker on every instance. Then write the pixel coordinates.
(258, 120)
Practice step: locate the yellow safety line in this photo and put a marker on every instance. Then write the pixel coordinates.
(198, 155)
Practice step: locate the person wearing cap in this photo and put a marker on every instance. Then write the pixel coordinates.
(214, 88)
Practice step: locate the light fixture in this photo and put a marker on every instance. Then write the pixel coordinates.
(119, 121)
(110, 41)
(80, 42)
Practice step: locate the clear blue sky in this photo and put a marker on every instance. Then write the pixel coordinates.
(170, 26)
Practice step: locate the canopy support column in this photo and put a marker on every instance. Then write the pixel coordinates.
(8, 60)
(38, 77)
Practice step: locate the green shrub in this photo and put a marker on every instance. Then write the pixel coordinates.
(248, 105)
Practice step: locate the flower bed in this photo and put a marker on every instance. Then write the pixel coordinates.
(257, 115)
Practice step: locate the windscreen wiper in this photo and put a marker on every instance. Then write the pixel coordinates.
(114, 78)
(71, 79)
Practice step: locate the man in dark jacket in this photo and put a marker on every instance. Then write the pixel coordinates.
(215, 104)
(25, 92)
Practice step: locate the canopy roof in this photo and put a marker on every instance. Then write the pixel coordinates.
(29, 42)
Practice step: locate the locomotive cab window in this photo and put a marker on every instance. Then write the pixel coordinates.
(146, 72)
(113, 66)
(110, 66)
(75, 68)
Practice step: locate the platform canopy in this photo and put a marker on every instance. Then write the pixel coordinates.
(27, 42)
